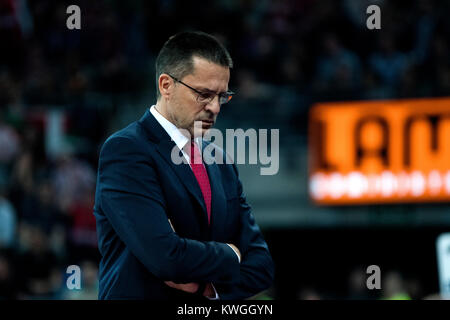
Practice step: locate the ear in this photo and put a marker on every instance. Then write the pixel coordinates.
(166, 84)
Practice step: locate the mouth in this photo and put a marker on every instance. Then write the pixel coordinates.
(207, 122)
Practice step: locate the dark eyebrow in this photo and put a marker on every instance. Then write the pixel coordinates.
(205, 90)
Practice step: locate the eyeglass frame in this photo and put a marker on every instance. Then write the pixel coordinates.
(199, 93)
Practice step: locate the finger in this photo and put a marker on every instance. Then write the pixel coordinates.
(171, 284)
(190, 287)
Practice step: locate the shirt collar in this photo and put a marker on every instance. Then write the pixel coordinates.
(174, 133)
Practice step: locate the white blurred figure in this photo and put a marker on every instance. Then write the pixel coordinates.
(8, 222)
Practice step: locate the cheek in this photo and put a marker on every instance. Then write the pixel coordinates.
(193, 111)
(187, 111)
(186, 115)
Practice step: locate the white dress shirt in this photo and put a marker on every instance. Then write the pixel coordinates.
(180, 140)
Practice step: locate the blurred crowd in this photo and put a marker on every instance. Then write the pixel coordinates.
(394, 285)
(62, 92)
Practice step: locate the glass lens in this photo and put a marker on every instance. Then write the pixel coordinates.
(209, 96)
(205, 97)
(225, 98)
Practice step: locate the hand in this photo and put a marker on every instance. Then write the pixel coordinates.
(235, 249)
(209, 291)
(190, 287)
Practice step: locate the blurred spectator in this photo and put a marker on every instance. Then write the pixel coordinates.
(7, 284)
(22, 182)
(414, 288)
(357, 285)
(394, 286)
(388, 64)
(83, 227)
(9, 140)
(338, 70)
(438, 67)
(40, 82)
(308, 294)
(71, 178)
(41, 211)
(10, 33)
(8, 221)
(425, 27)
(408, 86)
(36, 266)
(39, 208)
(250, 87)
(433, 296)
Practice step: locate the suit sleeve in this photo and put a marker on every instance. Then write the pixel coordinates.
(132, 200)
(256, 268)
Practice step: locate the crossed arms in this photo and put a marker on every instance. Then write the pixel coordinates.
(131, 199)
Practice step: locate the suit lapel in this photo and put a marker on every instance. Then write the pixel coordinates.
(164, 146)
(185, 174)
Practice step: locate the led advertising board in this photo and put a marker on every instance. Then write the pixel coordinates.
(380, 151)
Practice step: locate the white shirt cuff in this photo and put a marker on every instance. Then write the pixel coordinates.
(239, 258)
(215, 291)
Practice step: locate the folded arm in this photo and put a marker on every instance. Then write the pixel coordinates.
(132, 200)
(256, 267)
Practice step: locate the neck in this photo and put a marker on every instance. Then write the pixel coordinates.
(161, 108)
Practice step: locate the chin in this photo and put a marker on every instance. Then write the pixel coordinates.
(199, 132)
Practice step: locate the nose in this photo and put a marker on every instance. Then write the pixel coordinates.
(214, 105)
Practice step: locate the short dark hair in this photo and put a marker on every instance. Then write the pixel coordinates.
(176, 55)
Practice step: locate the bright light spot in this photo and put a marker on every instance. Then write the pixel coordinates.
(357, 184)
(434, 182)
(337, 185)
(374, 185)
(388, 184)
(318, 186)
(404, 184)
(447, 182)
(417, 183)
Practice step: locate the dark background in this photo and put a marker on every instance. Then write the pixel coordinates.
(288, 55)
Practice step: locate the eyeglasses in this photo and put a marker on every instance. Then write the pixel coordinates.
(208, 96)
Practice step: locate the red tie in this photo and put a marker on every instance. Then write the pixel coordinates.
(202, 176)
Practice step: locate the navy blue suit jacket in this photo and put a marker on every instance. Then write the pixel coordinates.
(138, 189)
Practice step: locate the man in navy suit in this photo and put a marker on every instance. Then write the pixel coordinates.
(177, 231)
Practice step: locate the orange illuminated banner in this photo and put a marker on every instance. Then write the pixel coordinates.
(380, 151)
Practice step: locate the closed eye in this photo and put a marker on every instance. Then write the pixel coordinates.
(206, 95)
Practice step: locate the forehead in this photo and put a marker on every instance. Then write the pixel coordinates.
(209, 75)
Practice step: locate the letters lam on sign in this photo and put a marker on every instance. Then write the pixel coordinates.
(380, 151)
